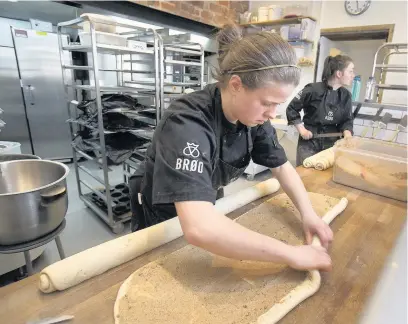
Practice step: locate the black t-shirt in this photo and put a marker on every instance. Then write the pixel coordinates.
(179, 162)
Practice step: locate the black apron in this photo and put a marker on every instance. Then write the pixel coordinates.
(326, 119)
(223, 174)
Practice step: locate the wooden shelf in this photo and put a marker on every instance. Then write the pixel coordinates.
(283, 21)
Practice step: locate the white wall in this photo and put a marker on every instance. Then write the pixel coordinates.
(380, 12)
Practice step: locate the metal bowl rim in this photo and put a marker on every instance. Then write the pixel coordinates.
(32, 157)
(39, 188)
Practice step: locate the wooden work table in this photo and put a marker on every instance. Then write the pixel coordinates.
(364, 236)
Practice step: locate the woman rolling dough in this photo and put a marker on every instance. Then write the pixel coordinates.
(327, 108)
(206, 139)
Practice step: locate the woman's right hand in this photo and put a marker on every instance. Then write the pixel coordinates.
(304, 133)
(309, 257)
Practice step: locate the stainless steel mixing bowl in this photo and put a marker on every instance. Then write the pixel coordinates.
(33, 199)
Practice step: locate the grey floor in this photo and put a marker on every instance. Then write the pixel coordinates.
(84, 230)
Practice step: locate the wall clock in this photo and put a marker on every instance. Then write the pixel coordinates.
(355, 8)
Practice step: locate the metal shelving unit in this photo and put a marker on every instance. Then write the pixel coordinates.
(381, 114)
(181, 66)
(133, 78)
(392, 49)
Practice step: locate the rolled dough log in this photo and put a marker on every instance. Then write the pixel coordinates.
(309, 287)
(320, 161)
(99, 259)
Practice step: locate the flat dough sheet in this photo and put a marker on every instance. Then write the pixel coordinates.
(195, 287)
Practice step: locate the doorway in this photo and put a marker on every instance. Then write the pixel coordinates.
(360, 43)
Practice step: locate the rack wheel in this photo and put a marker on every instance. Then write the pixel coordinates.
(118, 228)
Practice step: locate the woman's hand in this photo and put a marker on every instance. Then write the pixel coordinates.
(308, 257)
(314, 225)
(347, 134)
(304, 133)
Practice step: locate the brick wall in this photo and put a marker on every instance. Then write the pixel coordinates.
(211, 12)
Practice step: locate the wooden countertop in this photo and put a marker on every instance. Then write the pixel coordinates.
(364, 236)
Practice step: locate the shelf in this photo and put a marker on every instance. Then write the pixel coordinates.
(133, 90)
(90, 68)
(380, 105)
(102, 20)
(142, 82)
(173, 95)
(148, 121)
(142, 118)
(78, 67)
(182, 84)
(146, 134)
(182, 50)
(106, 49)
(138, 61)
(182, 63)
(301, 41)
(392, 87)
(283, 21)
(392, 67)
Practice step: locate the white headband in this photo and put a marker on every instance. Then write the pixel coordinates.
(264, 68)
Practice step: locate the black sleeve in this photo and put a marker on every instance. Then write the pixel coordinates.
(182, 168)
(348, 119)
(267, 151)
(296, 105)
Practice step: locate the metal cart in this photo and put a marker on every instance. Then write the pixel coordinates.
(132, 77)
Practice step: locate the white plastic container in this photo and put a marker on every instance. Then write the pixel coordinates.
(263, 14)
(371, 165)
(275, 12)
(103, 38)
(10, 148)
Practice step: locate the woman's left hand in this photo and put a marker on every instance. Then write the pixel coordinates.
(314, 225)
(347, 134)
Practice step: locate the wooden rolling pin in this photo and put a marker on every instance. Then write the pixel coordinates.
(99, 259)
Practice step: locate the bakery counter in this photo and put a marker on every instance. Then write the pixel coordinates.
(365, 234)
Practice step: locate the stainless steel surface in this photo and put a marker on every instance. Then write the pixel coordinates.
(40, 70)
(33, 199)
(16, 157)
(12, 102)
(107, 49)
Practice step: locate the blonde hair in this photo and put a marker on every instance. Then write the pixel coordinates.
(261, 51)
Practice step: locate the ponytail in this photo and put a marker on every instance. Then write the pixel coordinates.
(334, 64)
